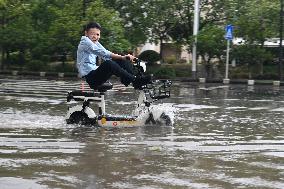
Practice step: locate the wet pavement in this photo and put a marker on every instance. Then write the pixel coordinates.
(223, 137)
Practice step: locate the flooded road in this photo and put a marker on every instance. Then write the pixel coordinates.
(223, 137)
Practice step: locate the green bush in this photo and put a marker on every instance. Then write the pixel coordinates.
(149, 56)
(45, 58)
(239, 72)
(14, 58)
(165, 73)
(68, 67)
(270, 76)
(178, 70)
(182, 61)
(239, 75)
(183, 73)
(36, 65)
(170, 60)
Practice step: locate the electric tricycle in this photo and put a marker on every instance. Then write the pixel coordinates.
(145, 112)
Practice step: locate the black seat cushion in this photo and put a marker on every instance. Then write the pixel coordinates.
(80, 94)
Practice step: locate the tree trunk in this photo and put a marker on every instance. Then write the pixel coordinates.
(7, 59)
(208, 69)
(161, 50)
(2, 58)
(261, 68)
(22, 56)
(249, 71)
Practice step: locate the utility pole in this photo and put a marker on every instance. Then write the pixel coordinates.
(228, 37)
(280, 45)
(195, 32)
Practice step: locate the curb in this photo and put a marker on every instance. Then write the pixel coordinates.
(182, 79)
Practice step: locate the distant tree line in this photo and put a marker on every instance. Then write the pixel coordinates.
(46, 30)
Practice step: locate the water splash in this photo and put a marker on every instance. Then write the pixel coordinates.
(158, 114)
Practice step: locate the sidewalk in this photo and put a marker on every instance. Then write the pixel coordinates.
(40, 74)
(71, 75)
(232, 81)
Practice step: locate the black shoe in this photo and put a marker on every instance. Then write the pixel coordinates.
(141, 81)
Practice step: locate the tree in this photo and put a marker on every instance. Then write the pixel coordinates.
(14, 19)
(113, 35)
(50, 28)
(211, 44)
(64, 32)
(152, 21)
(255, 24)
(252, 55)
(134, 17)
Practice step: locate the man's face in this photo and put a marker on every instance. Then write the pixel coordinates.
(94, 34)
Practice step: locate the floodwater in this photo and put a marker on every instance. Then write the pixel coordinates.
(223, 137)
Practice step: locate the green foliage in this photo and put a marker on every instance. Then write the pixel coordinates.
(251, 55)
(149, 56)
(42, 29)
(16, 31)
(256, 20)
(36, 65)
(182, 61)
(240, 72)
(66, 68)
(170, 60)
(134, 19)
(180, 70)
(267, 76)
(183, 72)
(49, 28)
(165, 72)
(112, 35)
(211, 43)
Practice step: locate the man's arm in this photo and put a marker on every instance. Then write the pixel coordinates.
(120, 57)
(99, 50)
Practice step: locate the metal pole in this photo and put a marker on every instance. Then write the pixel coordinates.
(280, 45)
(227, 60)
(195, 32)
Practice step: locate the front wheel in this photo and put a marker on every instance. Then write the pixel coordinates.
(166, 119)
(163, 120)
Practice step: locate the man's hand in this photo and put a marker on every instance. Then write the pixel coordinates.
(125, 57)
(130, 57)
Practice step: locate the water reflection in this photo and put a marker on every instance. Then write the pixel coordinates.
(223, 137)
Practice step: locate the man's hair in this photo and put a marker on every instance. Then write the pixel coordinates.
(92, 25)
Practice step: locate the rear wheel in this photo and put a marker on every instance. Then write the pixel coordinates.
(81, 118)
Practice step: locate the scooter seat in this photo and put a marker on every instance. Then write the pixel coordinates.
(78, 95)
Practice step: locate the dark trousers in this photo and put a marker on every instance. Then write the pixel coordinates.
(121, 69)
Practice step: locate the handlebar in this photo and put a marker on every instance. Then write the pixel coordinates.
(136, 60)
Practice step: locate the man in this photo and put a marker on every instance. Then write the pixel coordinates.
(114, 64)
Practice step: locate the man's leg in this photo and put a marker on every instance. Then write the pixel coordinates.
(139, 81)
(105, 71)
(126, 65)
